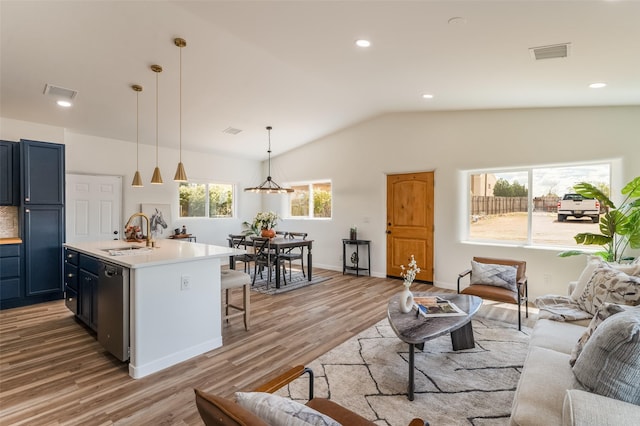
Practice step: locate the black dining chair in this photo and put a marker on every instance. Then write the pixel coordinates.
(266, 258)
(239, 242)
(295, 253)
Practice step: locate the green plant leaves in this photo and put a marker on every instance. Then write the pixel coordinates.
(587, 190)
(632, 189)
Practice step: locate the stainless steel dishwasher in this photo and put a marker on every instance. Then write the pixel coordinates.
(113, 309)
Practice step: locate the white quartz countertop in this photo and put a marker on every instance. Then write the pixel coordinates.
(165, 252)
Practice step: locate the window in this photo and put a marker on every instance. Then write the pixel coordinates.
(312, 200)
(206, 200)
(521, 206)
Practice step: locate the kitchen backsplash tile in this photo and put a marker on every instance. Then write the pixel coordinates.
(9, 222)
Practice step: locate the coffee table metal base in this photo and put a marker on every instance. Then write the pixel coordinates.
(461, 339)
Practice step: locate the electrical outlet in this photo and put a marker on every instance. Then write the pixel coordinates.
(185, 283)
(547, 279)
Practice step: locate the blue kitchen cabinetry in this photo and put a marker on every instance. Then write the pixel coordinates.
(10, 271)
(88, 290)
(42, 224)
(9, 174)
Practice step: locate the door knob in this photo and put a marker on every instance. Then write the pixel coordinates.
(388, 232)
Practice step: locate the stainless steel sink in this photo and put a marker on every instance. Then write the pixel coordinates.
(123, 248)
(127, 250)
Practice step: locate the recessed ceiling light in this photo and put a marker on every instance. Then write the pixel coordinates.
(65, 104)
(597, 85)
(427, 96)
(363, 43)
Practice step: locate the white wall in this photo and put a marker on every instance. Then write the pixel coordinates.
(358, 159)
(93, 155)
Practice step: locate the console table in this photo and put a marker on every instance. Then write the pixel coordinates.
(356, 266)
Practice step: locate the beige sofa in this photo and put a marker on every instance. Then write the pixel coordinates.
(548, 392)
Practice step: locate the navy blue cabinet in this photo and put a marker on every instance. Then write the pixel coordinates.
(9, 177)
(42, 225)
(43, 239)
(43, 172)
(88, 290)
(10, 272)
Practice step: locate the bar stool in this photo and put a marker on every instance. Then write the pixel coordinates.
(230, 279)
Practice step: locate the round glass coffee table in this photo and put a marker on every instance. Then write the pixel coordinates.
(415, 329)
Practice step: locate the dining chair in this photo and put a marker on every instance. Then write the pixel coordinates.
(295, 253)
(239, 242)
(265, 257)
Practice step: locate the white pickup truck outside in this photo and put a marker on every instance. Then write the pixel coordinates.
(577, 206)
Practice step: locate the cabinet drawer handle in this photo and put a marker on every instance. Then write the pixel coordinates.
(70, 275)
(69, 256)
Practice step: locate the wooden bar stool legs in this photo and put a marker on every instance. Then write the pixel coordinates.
(230, 279)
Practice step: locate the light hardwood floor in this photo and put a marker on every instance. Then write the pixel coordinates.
(53, 371)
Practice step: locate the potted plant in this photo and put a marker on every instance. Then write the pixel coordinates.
(263, 224)
(619, 226)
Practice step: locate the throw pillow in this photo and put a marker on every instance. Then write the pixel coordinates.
(604, 312)
(594, 262)
(609, 364)
(277, 410)
(492, 274)
(609, 285)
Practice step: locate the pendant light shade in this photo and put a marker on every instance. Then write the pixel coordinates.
(157, 177)
(181, 175)
(269, 186)
(137, 180)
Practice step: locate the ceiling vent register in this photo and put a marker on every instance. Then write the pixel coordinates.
(550, 52)
(59, 92)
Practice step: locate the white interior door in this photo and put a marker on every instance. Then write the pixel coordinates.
(93, 206)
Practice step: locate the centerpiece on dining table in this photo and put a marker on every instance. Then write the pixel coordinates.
(265, 222)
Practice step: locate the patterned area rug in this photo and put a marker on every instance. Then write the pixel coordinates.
(297, 281)
(368, 374)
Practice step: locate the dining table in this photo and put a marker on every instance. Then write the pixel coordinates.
(278, 245)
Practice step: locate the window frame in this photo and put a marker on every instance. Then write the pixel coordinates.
(309, 184)
(614, 177)
(207, 185)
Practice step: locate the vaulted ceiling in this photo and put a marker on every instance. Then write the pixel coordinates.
(294, 65)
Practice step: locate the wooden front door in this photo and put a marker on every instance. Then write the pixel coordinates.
(410, 223)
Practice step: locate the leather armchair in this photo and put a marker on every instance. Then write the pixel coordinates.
(501, 294)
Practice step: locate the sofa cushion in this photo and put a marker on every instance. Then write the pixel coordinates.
(586, 408)
(544, 380)
(494, 275)
(556, 335)
(609, 363)
(277, 410)
(609, 285)
(604, 312)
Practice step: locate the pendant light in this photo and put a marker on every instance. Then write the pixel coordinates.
(269, 186)
(157, 177)
(181, 175)
(137, 180)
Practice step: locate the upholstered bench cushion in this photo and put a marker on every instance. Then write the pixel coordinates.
(544, 381)
(232, 279)
(560, 336)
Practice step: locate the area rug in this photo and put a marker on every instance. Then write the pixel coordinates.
(368, 374)
(297, 281)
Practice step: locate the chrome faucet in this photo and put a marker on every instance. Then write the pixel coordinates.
(149, 240)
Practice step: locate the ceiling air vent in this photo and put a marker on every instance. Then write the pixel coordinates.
(231, 131)
(59, 92)
(550, 52)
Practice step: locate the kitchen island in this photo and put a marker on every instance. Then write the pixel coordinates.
(174, 298)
